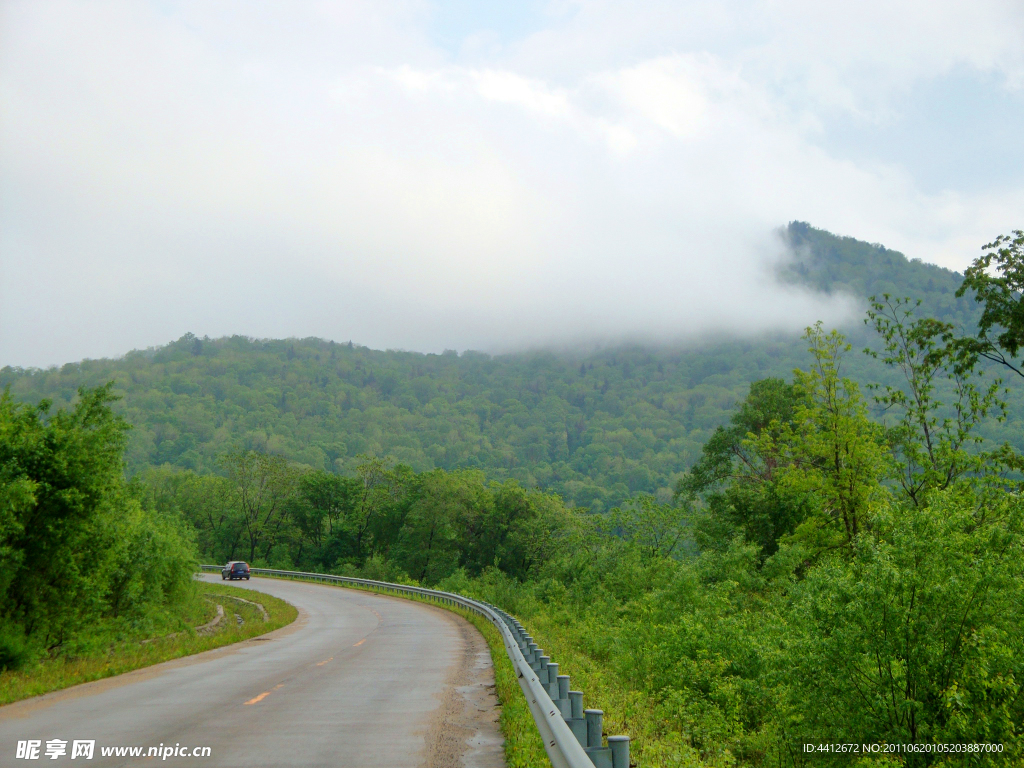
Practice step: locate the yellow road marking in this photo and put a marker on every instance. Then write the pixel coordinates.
(264, 695)
(320, 664)
(359, 643)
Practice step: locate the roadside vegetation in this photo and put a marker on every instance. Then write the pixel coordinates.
(113, 654)
(94, 579)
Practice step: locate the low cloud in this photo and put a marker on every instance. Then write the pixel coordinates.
(222, 169)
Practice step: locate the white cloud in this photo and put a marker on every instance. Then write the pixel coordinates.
(663, 92)
(509, 88)
(326, 169)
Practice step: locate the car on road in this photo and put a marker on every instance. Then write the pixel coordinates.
(236, 569)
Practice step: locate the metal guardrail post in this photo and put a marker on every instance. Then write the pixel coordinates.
(576, 722)
(576, 699)
(563, 696)
(535, 653)
(619, 746)
(594, 727)
(553, 680)
(599, 754)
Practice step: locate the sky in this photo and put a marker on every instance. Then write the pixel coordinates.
(482, 175)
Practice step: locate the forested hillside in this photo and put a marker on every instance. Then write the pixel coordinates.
(595, 427)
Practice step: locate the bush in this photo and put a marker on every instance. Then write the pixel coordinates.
(917, 637)
(77, 546)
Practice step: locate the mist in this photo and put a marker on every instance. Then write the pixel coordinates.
(408, 176)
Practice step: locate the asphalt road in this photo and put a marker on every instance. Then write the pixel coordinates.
(357, 680)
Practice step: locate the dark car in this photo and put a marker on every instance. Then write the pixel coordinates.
(235, 570)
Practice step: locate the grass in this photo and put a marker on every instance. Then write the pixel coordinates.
(627, 710)
(113, 650)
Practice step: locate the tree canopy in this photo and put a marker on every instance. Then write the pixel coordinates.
(77, 543)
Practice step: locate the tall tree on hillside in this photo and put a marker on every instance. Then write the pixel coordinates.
(738, 479)
(263, 483)
(934, 443)
(330, 496)
(658, 530)
(322, 510)
(208, 502)
(997, 280)
(833, 452)
(431, 542)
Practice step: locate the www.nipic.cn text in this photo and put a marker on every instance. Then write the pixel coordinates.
(85, 749)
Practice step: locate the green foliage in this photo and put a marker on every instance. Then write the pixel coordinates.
(1001, 325)
(387, 520)
(916, 637)
(809, 467)
(726, 456)
(108, 650)
(738, 474)
(262, 485)
(658, 530)
(833, 451)
(77, 546)
(931, 439)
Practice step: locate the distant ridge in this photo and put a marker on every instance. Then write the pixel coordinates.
(832, 264)
(595, 427)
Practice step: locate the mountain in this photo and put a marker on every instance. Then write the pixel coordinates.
(830, 264)
(593, 426)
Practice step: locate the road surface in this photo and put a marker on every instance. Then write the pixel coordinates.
(357, 680)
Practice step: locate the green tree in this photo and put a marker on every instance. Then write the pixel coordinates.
(431, 543)
(997, 280)
(61, 476)
(515, 530)
(78, 547)
(209, 504)
(833, 452)
(916, 637)
(319, 511)
(727, 453)
(737, 475)
(152, 558)
(329, 497)
(931, 439)
(263, 484)
(658, 530)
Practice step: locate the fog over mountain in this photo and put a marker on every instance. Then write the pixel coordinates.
(433, 175)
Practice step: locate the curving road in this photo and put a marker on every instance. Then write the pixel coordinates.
(358, 680)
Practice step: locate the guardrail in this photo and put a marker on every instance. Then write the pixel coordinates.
(572, 735)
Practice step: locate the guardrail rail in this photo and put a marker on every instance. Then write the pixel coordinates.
(572, 735)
